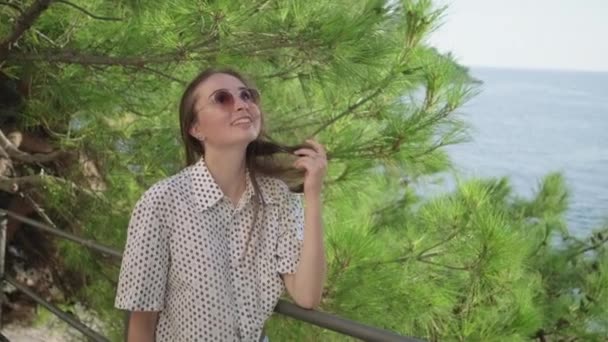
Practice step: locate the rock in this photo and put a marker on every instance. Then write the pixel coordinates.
(52, 329)
(16, 333)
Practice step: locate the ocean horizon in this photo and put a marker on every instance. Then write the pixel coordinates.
(526, 123)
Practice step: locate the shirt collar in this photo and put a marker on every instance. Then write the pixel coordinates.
(207, 192)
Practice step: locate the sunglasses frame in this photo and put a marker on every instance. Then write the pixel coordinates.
(254, 94)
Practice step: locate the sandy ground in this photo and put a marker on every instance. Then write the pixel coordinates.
(16, 333)
(51, 330)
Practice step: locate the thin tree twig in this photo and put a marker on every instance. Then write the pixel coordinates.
(13, 185)
(165, 75)
(421, 258)
(38, 209)
(87, 12)
(340, 177)
(456, 268)
(15, 182)
(590, 248)
(3, 153)
(259, 7)
(358, 104)
(298, 125)
(14, 152)
(291, 119)
(46, 37)
(442, 242)
(349, 110)
(285, 71)
(78, 57)
(432, 148)
(22, 24)
(345, 112)
(179, 55)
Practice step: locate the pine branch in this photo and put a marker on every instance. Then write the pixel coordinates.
(421, 258)
(340, 177)
(597, 243)
(349, 110)
(432, 148)
(3, 153)
(15, 184)
(87, 12)
(83, 58)
(259, 7)
(14, 152)
(424, 254)
(179, 55)
(455, 268)
(290, 119)
(295, 127)
(12, 185)
(165, 75)
(342, 266)
(379, 88)
(17, 8)
(434, 118)
(285, 71)
(22, 24)
(45, 37)
(39, 210)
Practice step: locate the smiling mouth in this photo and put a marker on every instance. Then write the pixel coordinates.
(242, 121)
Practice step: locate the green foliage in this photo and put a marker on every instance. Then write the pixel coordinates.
(471, 265)
(480, 263)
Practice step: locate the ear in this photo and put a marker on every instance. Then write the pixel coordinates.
(194, 132)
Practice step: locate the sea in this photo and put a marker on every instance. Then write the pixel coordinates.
(525, 124)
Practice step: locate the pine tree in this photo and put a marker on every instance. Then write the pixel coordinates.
(89, 122)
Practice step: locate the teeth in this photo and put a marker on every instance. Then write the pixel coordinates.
(243, 120)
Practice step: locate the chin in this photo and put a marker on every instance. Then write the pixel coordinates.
(253, 135)
(245, 140)
(241, 138)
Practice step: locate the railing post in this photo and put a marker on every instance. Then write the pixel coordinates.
(3, 222)
(324, 320)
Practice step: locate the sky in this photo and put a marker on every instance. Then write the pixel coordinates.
(527, 34)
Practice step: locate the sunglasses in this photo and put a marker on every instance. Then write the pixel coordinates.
(227, 100)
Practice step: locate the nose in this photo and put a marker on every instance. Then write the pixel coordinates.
(239, 104)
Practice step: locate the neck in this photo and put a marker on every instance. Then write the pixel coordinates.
(228, 168)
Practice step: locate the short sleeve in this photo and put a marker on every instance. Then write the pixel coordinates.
(145, 262)
(291, 233)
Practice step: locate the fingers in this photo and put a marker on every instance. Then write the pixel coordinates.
(306, 163)
(312, 159)
(317, 149)
(311, 164)
(306, 152)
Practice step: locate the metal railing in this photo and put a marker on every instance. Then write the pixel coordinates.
(321, 319)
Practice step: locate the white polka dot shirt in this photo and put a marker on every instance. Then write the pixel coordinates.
(186, 256)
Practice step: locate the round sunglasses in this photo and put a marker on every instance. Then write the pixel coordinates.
(227, 100)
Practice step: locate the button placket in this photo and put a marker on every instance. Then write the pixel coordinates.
(232, 231)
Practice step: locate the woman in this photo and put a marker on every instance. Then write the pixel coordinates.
(210, 249)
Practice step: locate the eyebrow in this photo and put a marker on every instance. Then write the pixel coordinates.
(239, 88)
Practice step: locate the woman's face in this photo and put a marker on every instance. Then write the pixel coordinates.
(226, 112)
